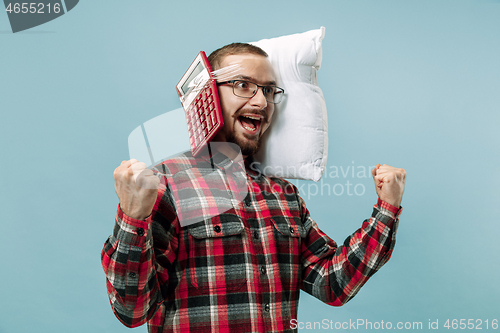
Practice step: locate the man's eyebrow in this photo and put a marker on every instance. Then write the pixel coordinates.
(251, 79)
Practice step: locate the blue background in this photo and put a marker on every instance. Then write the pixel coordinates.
(414, 84)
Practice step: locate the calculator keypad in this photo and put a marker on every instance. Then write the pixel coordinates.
(202, 119)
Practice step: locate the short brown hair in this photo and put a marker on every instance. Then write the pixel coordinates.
(215, 58)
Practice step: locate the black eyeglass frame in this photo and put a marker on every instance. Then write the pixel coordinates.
(281, 91)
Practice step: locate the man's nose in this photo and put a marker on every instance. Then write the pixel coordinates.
(259, 99)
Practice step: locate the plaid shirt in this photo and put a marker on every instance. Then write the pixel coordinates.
(241, 270)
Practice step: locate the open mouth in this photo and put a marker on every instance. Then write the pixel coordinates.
(250, 122)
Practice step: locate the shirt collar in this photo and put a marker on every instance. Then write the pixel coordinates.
(223, 162)
(216, 158)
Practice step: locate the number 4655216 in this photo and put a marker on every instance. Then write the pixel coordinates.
(33, 8)
(471, 324)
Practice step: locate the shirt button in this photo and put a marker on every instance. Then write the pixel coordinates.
(266, 307)
(140, 231)
(263, 270)
(132, 275)
(217, 228)
(256, 234)
(291, 230)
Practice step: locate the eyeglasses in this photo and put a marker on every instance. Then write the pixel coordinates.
(246, 89)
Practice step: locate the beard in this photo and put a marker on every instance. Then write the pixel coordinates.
(248, 147)
(248, 144)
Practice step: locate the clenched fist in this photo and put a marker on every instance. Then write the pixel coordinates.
(389, 183)
(137, 188)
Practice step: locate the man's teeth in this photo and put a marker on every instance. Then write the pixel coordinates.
(252, 117)
(249, 128)
(255, 125)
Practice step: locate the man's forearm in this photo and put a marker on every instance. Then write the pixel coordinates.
(335, 274)
(127, 260)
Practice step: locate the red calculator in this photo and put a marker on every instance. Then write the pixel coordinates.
(199, 97)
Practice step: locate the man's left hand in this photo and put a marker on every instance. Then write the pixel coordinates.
(389, 183)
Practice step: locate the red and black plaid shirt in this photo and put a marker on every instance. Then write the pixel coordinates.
(242, 270)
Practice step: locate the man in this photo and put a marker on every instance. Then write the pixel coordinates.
(242, 270)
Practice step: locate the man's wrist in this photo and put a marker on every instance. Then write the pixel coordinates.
(134, 214)
(133, 219)
(390, 207)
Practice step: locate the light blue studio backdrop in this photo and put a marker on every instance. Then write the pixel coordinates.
(414, 84)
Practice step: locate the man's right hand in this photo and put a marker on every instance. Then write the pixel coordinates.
(137, 188)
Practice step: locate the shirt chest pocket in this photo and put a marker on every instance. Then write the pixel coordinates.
(285, 245)
(288, 234)
(288, 226)
(217, 254)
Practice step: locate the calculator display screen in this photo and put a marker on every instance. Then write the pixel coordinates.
(197, 70)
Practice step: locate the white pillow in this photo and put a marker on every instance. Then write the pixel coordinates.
(296, 143)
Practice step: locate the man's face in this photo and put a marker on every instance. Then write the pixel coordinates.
(246, 119)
